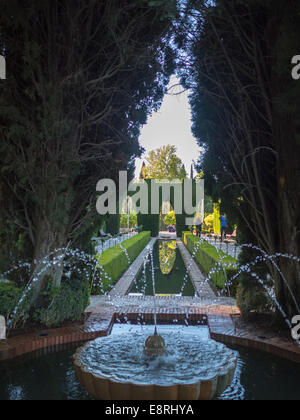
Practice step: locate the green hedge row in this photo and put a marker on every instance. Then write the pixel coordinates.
(208, 258)
(115, 262)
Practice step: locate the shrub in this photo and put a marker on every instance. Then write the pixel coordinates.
(10, 295)
(170, 218)
(217, 223)
(209, 260)
(133, 220)
(65, 303)
(209, 222)
(115, 262)
(251, 299)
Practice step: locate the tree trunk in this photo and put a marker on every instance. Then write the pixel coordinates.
(47, 242)
(288, 210)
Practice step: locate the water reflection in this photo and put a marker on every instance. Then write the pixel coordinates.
(167, 256)
(169, 272)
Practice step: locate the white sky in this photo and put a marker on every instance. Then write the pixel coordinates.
(171, 125)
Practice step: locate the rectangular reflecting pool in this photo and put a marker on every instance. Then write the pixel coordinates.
(169, 272)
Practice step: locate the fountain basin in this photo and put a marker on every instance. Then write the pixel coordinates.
(116, 368)
(166, 235)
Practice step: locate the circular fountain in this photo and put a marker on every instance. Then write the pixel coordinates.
(137, 367)
(155, 345)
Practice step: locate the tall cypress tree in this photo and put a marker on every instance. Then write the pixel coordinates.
(82, 77)
(245, 108)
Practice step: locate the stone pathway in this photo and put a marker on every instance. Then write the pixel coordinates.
(202, 288)
(123, 285)
(111, 242)
(227, 246)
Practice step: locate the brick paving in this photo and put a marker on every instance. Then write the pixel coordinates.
(225, 330)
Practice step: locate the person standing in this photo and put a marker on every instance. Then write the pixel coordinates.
(224, 226)
(199, 225)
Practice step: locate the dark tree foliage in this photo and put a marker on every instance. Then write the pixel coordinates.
(82, 76)
(236, 59)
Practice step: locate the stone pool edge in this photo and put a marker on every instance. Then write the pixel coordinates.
(21, 345)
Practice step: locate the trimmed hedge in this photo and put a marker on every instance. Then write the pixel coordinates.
(115, 262)
(149, 222)
(113, 224)
(180, 224)
(208, 258)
